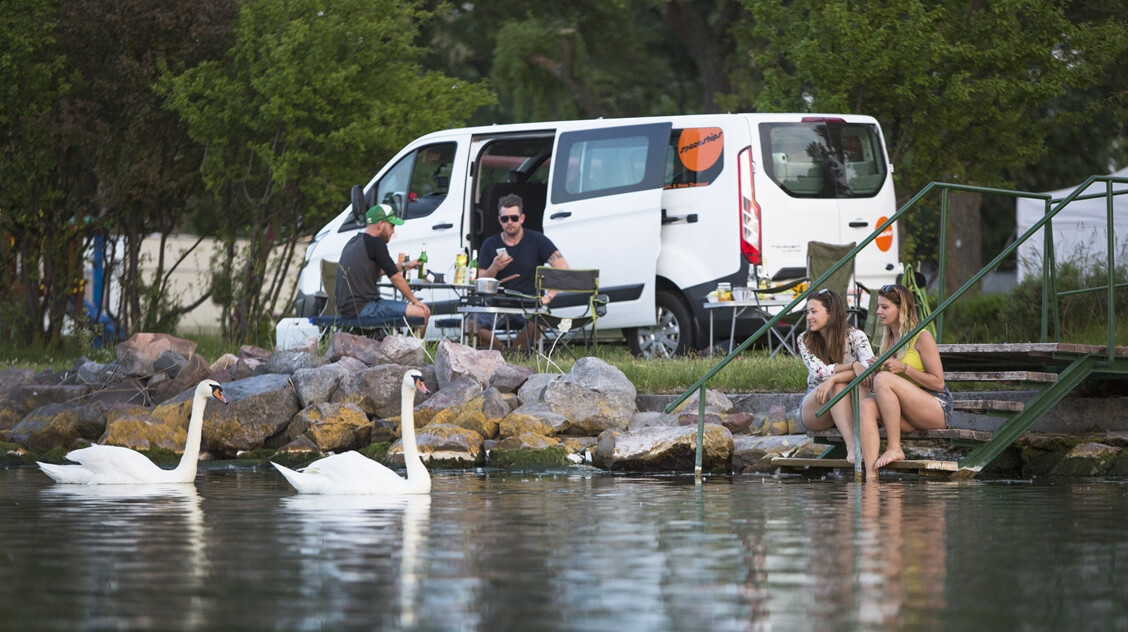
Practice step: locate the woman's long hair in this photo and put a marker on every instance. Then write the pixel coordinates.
(900, 296)
(829, 343)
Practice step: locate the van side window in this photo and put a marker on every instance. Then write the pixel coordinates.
(824, 159)
(597, 162)
(418, 183)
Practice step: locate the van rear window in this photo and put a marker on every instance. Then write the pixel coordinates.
(824, 159)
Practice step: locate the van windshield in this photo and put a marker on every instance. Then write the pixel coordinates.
(824, 159)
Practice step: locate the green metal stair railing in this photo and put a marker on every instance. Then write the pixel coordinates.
(1016, 425)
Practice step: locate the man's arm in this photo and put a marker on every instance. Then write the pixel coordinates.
(555, 260)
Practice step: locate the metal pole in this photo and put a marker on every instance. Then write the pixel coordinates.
(700, 433)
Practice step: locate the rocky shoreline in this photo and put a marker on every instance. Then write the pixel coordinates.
(293, 406)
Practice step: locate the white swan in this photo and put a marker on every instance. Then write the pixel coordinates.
(113, 465)
(354, 473)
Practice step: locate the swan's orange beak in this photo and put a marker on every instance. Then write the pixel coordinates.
(217, 392)
(420, 386)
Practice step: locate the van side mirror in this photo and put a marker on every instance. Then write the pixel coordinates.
(358, 207)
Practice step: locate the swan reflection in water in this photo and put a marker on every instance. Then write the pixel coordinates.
(350, 536)
(132, 547)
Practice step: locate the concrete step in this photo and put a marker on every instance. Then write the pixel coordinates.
(1040, 377)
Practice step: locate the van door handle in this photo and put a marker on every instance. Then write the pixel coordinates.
(443, 226)
(560, 215)
(859, 224)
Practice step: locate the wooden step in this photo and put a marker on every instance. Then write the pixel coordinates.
(947, 434)
(1001, 376)
(987, 406)
(905, 464)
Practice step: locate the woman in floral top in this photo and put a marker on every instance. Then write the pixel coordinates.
(835, 354)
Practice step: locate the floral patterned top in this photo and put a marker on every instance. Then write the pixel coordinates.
(857, 350)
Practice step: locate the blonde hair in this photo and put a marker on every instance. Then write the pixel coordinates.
(907, 319)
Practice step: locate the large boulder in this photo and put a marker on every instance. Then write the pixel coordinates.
(535, 418)
(25, 398)
(331, 427)
(508, 378)
(12, 377)
(376, 390)
(58, 425)
(664, 449)
(135, 427)
(402, 350)
(443, 442)
(317, 384)
(287, 362)
(138, 355)
(532, 391)
(463, 389)
(453, 360)
(599, 376)
(754, 454)
(194, 370)
(346, 345)
(259, 409)
(481, 414)
(589, 412)
(714, 401)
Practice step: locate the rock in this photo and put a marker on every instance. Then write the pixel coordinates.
(443, 442)
(137, 356)
(752, 454)
(287, 362)
(456, 393)
(134, 427)
(652, 419)
(12, 377)
(252, 352)
(170, 363)
(536, 418)
(317, 384)
(509, 377)
(225, 362)
(453, 360)
(402, 350)
(300, 446)
(597, 375)
(589, 412)
(664, 449)
(332, 427)
(715, 400)
(737, 423)
(526, 441)
(259, 409)
(94, 374)
(25, 398)
(346, 345)
(532, 390)
(1085, 459)
(375, 390)
(481, 414)
(129, 391)
(194, 371)
(58, 425)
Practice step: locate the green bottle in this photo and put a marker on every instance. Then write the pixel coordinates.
(472, 267)
(423, 263)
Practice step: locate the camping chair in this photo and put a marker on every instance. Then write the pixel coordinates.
(573, 288)
(331, 320)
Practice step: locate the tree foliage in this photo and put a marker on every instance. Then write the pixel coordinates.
(311, 96)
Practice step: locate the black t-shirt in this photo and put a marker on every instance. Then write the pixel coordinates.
(358, 272)
(533, 250)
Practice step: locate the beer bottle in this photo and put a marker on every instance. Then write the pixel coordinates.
(472, 267)
(423, 262)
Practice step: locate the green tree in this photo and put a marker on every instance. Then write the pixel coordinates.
(311, 97)
(962, 90)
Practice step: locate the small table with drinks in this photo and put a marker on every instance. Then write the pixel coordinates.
(740, 300)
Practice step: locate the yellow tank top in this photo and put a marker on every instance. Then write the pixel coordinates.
(912, 356)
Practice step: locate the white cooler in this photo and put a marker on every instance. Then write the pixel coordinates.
(293, 332)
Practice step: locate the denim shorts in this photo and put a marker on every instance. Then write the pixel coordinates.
(383, 308)
(504, 321)
(945, 399)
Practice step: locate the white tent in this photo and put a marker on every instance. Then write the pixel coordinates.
(1080, 229)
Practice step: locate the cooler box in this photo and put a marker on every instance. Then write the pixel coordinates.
(293, 332)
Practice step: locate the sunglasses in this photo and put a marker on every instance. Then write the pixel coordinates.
(821, 292)
(508, 218)
(889, 288)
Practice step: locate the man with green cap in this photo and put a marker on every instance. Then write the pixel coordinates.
(363, 258)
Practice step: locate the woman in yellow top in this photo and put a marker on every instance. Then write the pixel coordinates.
(909, 392)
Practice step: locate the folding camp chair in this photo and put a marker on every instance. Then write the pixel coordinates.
(573, 288)
(331, 320)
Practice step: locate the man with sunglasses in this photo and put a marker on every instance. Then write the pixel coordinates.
(515, 251)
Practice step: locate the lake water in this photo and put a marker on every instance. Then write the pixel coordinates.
(584, 551)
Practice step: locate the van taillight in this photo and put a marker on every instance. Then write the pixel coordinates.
(748, 208)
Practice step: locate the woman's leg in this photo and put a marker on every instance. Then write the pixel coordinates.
(871, 437)
(843, 415)
(914, 409)
(885, 392)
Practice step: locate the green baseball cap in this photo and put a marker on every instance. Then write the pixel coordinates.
(383, 213)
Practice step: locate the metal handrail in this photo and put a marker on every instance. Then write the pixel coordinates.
(1053, 207)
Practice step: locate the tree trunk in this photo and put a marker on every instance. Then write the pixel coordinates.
(964, 240)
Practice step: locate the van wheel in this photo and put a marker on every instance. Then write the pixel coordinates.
(671, 336)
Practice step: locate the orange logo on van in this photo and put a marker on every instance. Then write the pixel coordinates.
(885, 239)
(700, 147)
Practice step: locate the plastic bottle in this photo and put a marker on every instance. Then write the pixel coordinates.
(460, 268)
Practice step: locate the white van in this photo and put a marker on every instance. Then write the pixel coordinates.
(664, 207)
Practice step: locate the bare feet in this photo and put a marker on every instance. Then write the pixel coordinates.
(888, 457)
(849, 457)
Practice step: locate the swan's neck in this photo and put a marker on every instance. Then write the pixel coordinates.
(415, 467)
(191, 455)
